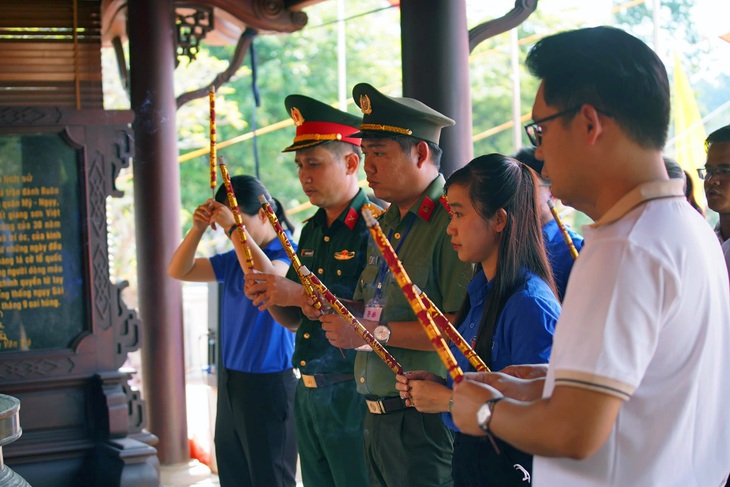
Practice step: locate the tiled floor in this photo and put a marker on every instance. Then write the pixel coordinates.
(193, 474)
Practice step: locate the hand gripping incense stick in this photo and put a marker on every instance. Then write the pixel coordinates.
(362, 332)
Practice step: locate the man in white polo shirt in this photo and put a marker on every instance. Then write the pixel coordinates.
(636, 392)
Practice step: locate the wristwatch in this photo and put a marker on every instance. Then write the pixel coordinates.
(382, 333)
(484, 413)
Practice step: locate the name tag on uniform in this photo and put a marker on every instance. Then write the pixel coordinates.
(374, 309)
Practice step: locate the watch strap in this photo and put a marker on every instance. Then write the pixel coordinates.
(490, 404)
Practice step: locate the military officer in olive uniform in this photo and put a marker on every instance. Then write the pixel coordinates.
(400, 142)
(333, 245)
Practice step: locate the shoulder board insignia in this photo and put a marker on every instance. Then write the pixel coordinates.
(445, 203)
(373, 209)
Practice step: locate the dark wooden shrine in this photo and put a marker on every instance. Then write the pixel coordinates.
(64, 329)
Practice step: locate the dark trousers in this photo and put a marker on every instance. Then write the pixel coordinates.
(329, 433)
(477, 464)
(407, 448)
(255, 437)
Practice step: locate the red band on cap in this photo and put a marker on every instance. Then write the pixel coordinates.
(326, 131)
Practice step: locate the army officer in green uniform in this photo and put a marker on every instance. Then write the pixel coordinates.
(328, 411)
(402, 157)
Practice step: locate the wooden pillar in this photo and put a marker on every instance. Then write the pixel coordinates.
(157, 203)
(435, 51)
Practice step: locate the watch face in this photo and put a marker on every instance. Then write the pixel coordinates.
(483, 415)
(381, 333)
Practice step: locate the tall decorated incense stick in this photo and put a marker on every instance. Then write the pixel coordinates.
(236, 214)
(563, 230)
(211, 99)
(411, 293)
(289, 250)
(362, 332)
(451, 333)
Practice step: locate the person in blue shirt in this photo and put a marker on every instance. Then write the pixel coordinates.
(510, 310)
(557, 250)
(255, 438)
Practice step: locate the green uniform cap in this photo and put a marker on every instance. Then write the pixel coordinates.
(318, 123)
(385, 116)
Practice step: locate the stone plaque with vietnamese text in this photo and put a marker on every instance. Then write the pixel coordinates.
(41, 272)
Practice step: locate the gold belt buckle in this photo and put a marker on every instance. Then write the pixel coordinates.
(309, 381)
(375, 407)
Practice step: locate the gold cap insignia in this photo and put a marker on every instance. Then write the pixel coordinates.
(365, 105)
(296, 115)
(344, 255)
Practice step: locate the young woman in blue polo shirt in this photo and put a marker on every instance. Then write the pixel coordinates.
(254, 432)
(510, 309)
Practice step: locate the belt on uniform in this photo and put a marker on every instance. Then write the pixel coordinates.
(323, 380)
(385, 405)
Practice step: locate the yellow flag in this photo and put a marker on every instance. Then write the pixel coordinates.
(689, 131)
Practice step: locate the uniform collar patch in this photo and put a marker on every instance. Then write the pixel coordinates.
(425, 211)
(351, 218)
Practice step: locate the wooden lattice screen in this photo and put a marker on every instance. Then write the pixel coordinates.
(50, 53)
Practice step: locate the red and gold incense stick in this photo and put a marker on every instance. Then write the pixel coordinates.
(362, 332)
(411, 293)
(563, 230)
(236, 214)
(293, 257)
(211, 99)
(451, 333)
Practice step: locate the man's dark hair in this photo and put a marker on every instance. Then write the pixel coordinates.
(611, 70)
(720, 135)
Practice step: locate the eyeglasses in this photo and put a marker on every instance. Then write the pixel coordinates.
(534, 129)
(706, 173)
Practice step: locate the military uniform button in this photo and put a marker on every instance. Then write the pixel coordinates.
(306, 336)
(303, 363)
(362, 380)
(320, 271)
(339, 272)
(326, 238)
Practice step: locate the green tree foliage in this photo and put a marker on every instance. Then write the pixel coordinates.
(304, 62)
